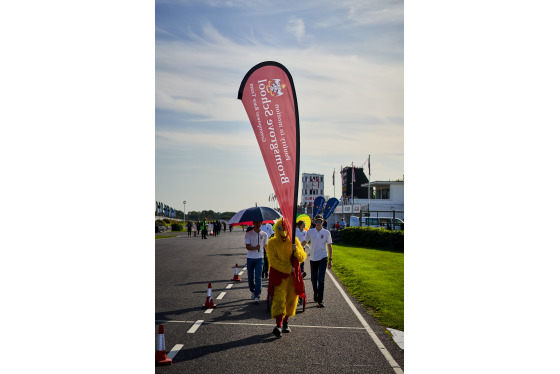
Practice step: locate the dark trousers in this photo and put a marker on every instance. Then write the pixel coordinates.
(318, 271)
(254, 270)
(265, 266)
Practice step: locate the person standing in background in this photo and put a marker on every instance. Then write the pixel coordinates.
(189, 228)
(342, 223)
(321, 240)
(300, 234)
(204, 228)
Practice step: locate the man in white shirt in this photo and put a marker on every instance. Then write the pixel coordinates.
(256, 241)
(267, 227)
(321, 240)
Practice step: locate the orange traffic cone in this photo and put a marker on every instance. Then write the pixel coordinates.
(209, 299)
(236, 276)
(161, 357)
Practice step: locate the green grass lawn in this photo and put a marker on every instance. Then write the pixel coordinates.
(163, 236)
(375, 278)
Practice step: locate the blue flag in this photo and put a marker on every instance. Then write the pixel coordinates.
(331, 206)
(318, 205)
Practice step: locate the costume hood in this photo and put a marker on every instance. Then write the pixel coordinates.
(280, 229)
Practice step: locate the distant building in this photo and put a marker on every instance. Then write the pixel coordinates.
(357, 190)
(385, 197)
(312, 185)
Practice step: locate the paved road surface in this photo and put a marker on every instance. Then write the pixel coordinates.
(236, 337)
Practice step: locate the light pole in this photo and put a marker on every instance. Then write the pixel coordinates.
(184, 207)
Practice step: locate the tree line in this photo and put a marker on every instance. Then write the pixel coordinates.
(209, 215)
(205, 214)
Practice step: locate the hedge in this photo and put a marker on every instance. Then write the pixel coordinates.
(176, 227)
(373, 237)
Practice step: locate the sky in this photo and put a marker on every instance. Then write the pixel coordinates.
(346, 60)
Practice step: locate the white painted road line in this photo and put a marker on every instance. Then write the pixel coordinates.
(208, 311)
(292, 325)
(221, 296)
(229, 286)
(158, 321)
(271, 324)
(174, 351)
(195, 327)
(378, 342)
(241, 273)
(245, 268)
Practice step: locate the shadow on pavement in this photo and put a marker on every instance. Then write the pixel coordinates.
(204, 282)
(238, 310)
(230, 254)
(246, 310)
(194, 353)
(165, 316)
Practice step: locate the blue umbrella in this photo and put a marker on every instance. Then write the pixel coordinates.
(257, 213)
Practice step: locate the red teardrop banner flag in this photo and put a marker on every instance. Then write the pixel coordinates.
(269, 97)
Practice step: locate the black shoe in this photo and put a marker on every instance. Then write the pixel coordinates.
(277, 332)
(286, 328)
(321, 305)
(304, 274)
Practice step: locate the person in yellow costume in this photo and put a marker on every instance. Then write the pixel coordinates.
(282, 278)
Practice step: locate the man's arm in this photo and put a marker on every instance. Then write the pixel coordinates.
(305, 239)
(249, 246)
(329, 247)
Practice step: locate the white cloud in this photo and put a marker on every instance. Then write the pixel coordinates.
(202, 78)
(209, 139)
(381, 12)
(296, 27)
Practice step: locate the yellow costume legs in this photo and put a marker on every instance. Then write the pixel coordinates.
(291, 298)
(284, 301)
(279, 299)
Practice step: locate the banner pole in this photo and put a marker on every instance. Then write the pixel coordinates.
(352, 193)
(369, 184)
